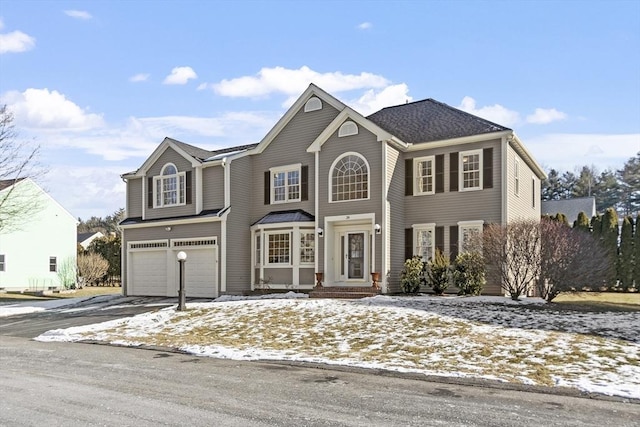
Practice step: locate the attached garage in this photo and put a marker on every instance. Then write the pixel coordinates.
(153, 267)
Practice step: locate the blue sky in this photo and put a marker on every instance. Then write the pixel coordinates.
(99, 84)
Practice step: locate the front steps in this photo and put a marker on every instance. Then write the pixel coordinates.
(345, 292)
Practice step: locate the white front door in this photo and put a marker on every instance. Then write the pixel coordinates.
(354, 256)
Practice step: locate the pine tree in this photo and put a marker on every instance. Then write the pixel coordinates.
(582, 223)
(610, 242)
(629, 177)
(606, 191)
(636, 251)
(551, 187)
(585, 182)
(626, 260)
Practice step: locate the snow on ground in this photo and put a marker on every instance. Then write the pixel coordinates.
(479, 337)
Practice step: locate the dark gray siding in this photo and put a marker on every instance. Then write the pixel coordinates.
(238, 227)
(212, 187)
(183, 165)
(134, 197)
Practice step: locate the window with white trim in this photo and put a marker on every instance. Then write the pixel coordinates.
(348, 128)
(285, 184)
(307, 247)
(467, 233)
(349, 178)
(168, 187)
(470, 170)
(278, 248)
(424, 170)
(424, 240)
(516, 177)
(2, 262)
(53, 264)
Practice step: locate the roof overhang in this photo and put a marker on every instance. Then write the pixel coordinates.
(462, 140)
(526, 155)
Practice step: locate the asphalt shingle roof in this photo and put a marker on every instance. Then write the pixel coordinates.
(297, 215)
(6, 183)
(430, 120)
(570, 207)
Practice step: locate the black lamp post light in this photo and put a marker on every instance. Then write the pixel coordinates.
(182, 298)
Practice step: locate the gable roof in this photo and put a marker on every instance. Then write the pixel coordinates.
(570, 207)
(430, 120)
(6, 183)
(84, 236)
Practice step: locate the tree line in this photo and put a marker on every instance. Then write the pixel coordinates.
(619, 189)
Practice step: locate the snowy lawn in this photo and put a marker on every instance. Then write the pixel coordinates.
(479, 337)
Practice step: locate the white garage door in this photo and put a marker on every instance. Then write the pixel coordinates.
(147, 273)
(200, 273)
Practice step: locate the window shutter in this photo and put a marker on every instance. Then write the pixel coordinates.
(440, 238)
(187, 188)
(453, 172)
(408, 177)
(453, 242)
(304, 183)
(150, 192)
(487, 173)
(408, 243)
(267, 187)
(440, 173)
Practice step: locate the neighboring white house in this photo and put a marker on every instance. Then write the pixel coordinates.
(36, 248)
(85, 239)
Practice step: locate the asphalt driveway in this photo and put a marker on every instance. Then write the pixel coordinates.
(84, 313)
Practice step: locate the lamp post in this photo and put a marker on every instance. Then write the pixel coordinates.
(182, 258)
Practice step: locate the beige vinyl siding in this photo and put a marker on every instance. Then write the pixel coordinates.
(448, 208)
(183, 165)
(179, 231)
(238, 248)
(395, 218)
(520, 205)
(290, 147)
(134, 197)
(364, 143)
(212, 188)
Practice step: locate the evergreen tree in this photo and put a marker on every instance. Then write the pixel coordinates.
(551, 187)
(636, 253)
(610, 242)
(606, 191)
(629, 177)
(596, 226)
(626, 260)
(567, 184)
(582, 223)
(585, 182)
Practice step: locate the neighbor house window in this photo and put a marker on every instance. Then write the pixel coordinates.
(2, 262)
(516, 176)
(471, 170)
(349, 178)
(169, 187)
(285, 184)
(307, 247)
(424, 169)
(279, 248)
(468, 233)
(424, 241)
(53, 264)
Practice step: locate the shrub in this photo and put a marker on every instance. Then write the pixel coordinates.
(469, 273)
(92, 268)
(438, 273)
(412, 275)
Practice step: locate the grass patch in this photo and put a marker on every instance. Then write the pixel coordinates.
(598, 301)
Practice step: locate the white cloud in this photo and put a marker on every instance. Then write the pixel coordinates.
(495, 113)
(373, 101)
(567, 151)
(44, 109)
(78, 14)
(15, 41)
(293, 82)
(365, 26)
(180, 76)
(544, 116)
(140, 77)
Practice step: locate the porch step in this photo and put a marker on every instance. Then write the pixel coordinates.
(346, 292)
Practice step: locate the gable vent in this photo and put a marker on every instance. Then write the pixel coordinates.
(348, 128)
(313, 104)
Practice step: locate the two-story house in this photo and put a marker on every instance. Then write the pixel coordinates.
(326, 190)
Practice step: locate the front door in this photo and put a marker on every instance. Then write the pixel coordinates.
(354, 249)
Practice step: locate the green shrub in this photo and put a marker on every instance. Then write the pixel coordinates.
(469, 273)
(412, 275)
(438, 273)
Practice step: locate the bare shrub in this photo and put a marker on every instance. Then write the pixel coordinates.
(91, 268)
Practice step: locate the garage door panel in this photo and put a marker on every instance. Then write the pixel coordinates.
(201, 273)
(148, 273)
